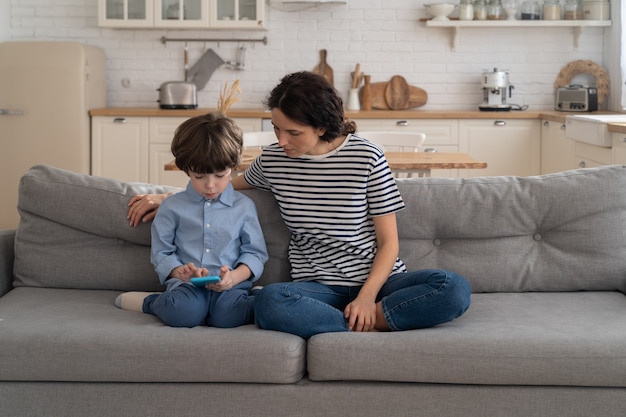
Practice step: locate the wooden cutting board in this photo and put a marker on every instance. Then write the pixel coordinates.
(397, 93)
(323, 68)
(417, 97)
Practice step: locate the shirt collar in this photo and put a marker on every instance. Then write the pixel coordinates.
(226, 198)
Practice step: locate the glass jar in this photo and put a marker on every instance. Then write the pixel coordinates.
(480, 10)
(495, 10)
(573, 10)
(551, 10)
(530, 10)
(466, 10)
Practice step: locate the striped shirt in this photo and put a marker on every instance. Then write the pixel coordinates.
(327, 202)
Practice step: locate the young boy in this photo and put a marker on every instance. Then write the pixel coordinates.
(208, 229)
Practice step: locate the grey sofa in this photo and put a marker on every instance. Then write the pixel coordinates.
(545, 334)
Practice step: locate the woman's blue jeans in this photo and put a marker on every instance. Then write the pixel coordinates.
(410, 300)
(190, 306)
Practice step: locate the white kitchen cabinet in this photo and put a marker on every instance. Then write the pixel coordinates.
(161, 133)
(182, 14)
(193, 14)
(508, 146)
(441, 134)
(557, 151)
(159, 156)
(588, 156)
(119, 148)
(126, 13)
(619, 148)
(242, 14)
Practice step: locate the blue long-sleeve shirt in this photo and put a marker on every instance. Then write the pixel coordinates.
(209, 233)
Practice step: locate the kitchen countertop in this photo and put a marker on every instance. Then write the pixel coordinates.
(371, 114)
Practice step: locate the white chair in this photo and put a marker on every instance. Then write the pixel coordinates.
(258, 140)
(398, 142)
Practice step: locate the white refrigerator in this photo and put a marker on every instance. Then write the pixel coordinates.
(46, 91)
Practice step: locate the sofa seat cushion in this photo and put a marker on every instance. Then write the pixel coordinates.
(576, 339)
(79, 335)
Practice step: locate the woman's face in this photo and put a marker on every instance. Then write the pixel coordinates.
(296, 139)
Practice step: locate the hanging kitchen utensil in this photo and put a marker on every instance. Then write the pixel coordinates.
(202, 70)
(186, 62)
(323, 68)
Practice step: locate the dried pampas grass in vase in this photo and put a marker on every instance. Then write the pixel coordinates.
(228, 97)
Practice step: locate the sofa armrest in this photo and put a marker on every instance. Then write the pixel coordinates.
(7, 253)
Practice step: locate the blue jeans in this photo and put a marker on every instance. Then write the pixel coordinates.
(190, 306)
(411, 300)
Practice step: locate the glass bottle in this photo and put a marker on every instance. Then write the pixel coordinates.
(480, 10)
(510, 9)
(530, 10)
(466, 10)
(551, 10)
(573, 10)
(495, 10)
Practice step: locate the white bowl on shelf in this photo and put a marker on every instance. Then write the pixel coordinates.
(440, 11)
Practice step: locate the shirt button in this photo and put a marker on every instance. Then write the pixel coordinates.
(208, 225)
(207, 250)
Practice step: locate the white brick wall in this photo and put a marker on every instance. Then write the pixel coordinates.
(385, 36)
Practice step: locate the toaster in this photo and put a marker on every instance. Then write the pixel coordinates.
(576, 98)
(177, 95)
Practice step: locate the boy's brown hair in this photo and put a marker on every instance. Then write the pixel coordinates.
(207, 144)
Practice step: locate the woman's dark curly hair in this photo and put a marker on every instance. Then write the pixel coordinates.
(207, 144)
(309, 99)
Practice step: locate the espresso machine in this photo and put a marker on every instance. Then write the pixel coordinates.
(495, 85)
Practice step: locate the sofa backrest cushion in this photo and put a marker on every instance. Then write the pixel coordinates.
(73, 233)
(556, 232)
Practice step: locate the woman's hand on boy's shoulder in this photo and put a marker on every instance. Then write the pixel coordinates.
(143, 207)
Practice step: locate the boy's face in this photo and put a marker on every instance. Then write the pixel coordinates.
(210, 185)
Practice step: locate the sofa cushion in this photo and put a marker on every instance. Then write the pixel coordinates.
(569, 338)
(557, 232)
(73, 233)
(79, 335)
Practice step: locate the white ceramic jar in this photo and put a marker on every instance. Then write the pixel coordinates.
(466, 10)
(596, 10)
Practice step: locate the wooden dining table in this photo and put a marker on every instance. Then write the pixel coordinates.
(420, 163)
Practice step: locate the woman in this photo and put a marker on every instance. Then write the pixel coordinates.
(339, 199)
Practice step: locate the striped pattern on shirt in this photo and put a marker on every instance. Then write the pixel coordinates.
(327, 202)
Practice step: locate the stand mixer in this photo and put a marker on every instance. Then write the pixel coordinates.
(495, 85)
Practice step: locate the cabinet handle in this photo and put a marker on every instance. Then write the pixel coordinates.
(563, 126)
(546, 123)
(120, 120)
(582, 164)
(499, 123)
(624, 140)
(402, 123)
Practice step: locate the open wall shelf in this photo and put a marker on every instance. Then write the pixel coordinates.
(456, 25)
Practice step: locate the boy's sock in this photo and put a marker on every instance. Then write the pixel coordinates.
(132, 301)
